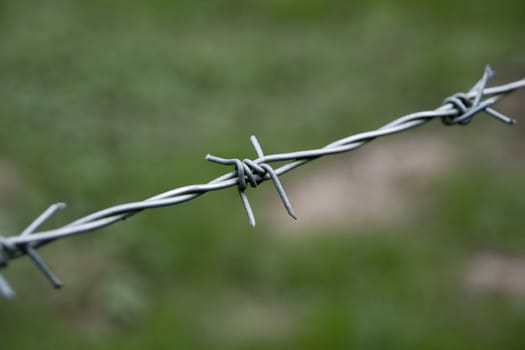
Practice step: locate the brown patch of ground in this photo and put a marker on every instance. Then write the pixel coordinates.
(491, 273)
(378, 184)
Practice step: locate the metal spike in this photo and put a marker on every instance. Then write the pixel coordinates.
(274, 177)
(29, 250)
(5, 289)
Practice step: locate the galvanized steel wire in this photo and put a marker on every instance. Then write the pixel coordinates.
(457, 109)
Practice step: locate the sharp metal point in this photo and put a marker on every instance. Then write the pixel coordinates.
(5, 289)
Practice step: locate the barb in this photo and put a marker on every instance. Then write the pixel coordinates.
(255, 171)
(459, 109)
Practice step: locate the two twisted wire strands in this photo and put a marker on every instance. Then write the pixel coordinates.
(458, 109)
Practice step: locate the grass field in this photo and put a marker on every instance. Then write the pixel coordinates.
(412, 242)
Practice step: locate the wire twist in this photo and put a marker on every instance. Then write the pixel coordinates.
(458, 109)
(255, 171)
(466, 108)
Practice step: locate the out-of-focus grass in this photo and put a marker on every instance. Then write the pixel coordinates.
(105, 102)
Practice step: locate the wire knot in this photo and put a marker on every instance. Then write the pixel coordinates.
(254, 172)
(10, 249)
(467, 107)
(6, 249)
(462, 105)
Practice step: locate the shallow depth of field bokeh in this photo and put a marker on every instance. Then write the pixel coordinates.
(415, 241)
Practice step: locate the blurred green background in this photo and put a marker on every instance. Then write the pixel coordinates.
(413, 242)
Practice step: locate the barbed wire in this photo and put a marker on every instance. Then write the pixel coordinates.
(458, 109)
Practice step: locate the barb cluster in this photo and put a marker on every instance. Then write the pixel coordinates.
(255, 171)
(458, 109)
(466, 109)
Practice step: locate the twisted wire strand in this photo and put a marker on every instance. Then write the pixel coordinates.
(458, 109)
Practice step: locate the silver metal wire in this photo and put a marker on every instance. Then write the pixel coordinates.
(458, 109)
